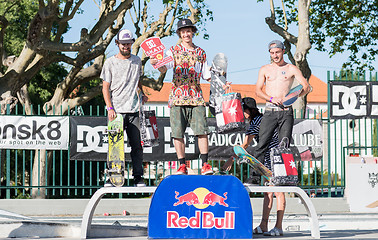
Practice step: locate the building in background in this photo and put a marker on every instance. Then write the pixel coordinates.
(316, 100)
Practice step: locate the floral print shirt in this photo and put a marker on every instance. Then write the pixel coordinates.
(188, 68)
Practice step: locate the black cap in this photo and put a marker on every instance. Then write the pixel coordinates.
(249, 102)
(185, 23)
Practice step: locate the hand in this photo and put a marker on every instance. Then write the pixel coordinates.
(227, 85)
(153, 60)
(111, 115)
(277, 101)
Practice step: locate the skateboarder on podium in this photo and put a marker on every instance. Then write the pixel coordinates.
(121, 74)
(185, 99)
(278, 77)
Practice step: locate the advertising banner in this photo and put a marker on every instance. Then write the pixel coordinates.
(307, 140)
(89, 141)
(200, 207)
(34, 132)
(353, 99)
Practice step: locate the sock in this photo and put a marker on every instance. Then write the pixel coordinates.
(204, 158)
(181, 160)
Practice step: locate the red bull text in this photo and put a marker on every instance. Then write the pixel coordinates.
(204, 220)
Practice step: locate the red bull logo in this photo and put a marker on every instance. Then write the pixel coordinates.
(201, 198)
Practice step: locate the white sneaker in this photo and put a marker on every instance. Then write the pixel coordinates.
(139, 183)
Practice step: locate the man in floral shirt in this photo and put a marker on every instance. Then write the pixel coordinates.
(185, 98)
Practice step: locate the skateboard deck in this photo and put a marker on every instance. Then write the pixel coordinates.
(245, 157)
(218, 79)
(116, 154)
(292, 96)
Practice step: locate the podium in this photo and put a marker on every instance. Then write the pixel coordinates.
(200, 207)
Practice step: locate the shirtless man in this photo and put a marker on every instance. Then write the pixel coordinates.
(278, 78)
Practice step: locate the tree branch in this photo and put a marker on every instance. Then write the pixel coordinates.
(280, 31)
(73, 12)
(193, 11)
(24, 98)
(156, 85)
(284, 13)
(272, 11)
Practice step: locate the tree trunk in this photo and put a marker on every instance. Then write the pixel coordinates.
(303, 45)
(41, 172)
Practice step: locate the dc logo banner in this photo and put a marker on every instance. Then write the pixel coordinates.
(88, 138)
(350, 99)
(89, 141)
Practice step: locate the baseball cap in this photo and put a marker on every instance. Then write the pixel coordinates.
(249, 102)
(185, 23)
(276, 44)
(125, 36)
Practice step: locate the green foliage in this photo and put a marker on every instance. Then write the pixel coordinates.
(314, 178)
(42, 86)
(19, 14)
(341, 26)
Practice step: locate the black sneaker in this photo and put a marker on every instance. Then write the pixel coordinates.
(108, 183)
(139, 182)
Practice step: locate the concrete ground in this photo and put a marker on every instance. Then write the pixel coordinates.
(61, 218)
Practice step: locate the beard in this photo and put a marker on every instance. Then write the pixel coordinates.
(125, 53)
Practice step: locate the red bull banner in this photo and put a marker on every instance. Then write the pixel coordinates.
(200, 207)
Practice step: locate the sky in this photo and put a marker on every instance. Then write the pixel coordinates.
(238, 30)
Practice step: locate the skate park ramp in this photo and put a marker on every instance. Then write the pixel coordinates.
(13, 225)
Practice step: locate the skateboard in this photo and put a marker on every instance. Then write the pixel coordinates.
(245, 157)
(292, 96)
(116, 154)
(218, 79)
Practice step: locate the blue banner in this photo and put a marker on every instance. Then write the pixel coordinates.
(195, 206)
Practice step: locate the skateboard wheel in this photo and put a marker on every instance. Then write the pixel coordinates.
(119, 171)
(106, 214)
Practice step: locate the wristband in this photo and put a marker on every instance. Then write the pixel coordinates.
(109, 108)
(270, 100)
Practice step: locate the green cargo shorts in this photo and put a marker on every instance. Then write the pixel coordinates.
(194, 117)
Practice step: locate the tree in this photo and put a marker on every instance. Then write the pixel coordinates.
(301, 42)
(331, 26)
(43, 45)
(349, 26)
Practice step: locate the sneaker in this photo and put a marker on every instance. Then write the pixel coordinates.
(206, 169)
(182, 170)
(108, 183)
(139, 182)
